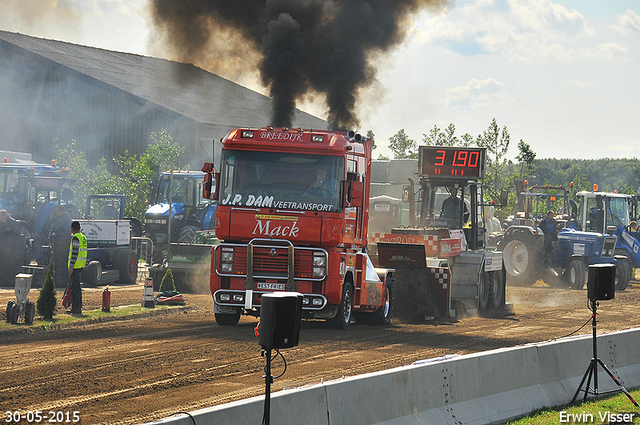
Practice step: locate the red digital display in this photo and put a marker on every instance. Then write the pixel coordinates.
(452, 163)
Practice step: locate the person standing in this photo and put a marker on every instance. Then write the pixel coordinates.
(77, 260)
(59, 239)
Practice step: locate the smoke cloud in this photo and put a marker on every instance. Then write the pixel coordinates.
(303, 46)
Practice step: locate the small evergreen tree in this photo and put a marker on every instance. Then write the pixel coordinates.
(46, 303)
(167, 283)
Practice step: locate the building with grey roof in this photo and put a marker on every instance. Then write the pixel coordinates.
(110, 102)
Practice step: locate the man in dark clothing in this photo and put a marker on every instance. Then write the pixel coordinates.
(59, 239)
(12, 249)
(77, 260)
(548, 226)
(454, 208)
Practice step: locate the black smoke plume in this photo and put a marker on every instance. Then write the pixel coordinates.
(305, 46)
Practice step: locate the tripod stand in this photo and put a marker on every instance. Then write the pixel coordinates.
(592, 370)
(268, 380)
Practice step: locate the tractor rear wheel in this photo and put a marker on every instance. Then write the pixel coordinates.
(521, 254)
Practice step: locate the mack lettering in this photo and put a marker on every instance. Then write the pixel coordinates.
(266, 228)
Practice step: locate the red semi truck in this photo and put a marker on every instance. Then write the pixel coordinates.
(292, 214)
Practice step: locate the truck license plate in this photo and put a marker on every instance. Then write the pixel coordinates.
(271, 286)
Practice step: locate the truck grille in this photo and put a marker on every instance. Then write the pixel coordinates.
(271, 262)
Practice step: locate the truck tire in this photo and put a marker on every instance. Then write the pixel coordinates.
(575, 274)
(345, 309)
(623, 271)
(521, 254)
(92, 274)
(228, 319)
(126, 262)
(381, 317)
(496, 294)
(484, 290)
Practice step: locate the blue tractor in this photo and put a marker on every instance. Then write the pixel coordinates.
(29, 191)
(526, 256)
(178, 192)
(599, 211)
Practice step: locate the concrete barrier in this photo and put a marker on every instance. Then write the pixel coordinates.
(475, 389)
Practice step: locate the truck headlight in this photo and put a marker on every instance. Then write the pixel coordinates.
(319, 261)
(226, 260)
(318, 272)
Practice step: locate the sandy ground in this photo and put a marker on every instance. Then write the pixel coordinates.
(133, 370)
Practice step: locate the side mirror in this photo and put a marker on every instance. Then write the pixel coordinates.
(504, 198)
(353, 193)
(405, 193)
(209, 189)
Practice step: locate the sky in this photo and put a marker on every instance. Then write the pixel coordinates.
(560, 75)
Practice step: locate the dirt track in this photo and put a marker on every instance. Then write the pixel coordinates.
(136, 370)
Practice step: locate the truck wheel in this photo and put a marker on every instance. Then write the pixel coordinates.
(522, 257)
(10, 305)
(496, 294)
(382, 317)
(484, 290)
(623, 271)
(92, 274)
(228, 319)
(126, 262)
(345, 309)
(575, 274)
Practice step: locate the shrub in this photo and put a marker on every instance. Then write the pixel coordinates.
(46, 303)
(167, 283)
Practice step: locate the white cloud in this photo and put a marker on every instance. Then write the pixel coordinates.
(476, 93)
(525, 29)
(629, 21)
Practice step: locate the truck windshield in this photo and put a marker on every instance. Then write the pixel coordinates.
(281, 180)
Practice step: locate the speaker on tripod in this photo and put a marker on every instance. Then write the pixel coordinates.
(280, 316)
(602, 282)
(600, 286)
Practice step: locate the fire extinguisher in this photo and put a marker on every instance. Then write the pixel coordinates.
(106, 300)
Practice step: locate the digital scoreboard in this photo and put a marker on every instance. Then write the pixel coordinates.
(446, 162)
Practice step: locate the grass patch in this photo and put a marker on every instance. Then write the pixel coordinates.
(600, 411)
(61, 318)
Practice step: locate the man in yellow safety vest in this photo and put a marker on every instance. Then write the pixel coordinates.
(77, 260)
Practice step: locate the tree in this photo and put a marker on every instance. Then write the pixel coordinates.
(46, 303)
(371, 135)
(526, 157)
(402, 146)
(497, 144)
(134, 177)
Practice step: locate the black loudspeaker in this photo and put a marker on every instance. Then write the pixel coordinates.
(280, 315)
(602, 282)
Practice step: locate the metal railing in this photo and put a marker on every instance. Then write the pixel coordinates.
(144, 250)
